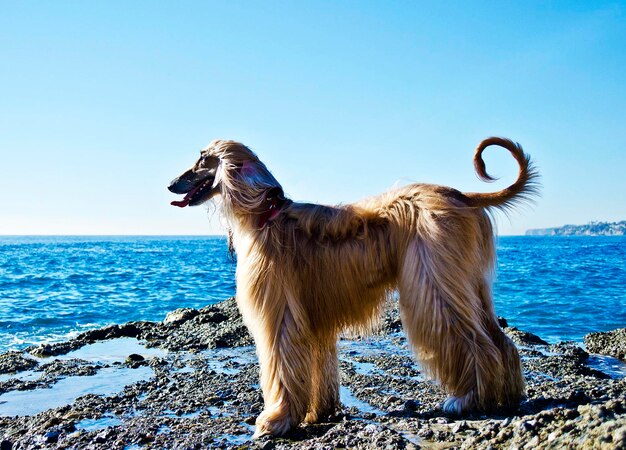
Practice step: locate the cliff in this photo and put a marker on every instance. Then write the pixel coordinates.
(590, 229)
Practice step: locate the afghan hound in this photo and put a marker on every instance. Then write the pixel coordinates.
(306, 272)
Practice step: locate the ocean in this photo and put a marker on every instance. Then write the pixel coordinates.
(54, 287)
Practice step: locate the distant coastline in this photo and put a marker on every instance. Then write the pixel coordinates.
(590, 229)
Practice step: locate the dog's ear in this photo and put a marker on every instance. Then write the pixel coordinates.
(256, 177)
(247, 169)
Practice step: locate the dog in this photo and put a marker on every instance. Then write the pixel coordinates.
(306, 272)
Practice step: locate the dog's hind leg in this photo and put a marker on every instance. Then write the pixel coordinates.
(513, 385)
(285, 357)
(325, 377)
(443, 317)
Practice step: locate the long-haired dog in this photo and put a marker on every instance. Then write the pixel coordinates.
(305, 272)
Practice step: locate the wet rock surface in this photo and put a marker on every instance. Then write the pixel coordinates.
(12, 362)
(611, 343)
(192, 382)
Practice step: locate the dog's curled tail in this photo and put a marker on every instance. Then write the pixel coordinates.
(525, 187)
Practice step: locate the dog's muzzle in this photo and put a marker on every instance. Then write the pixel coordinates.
(196, 185)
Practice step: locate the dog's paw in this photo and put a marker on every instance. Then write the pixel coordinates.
(458, 405)
(317, 416)
(312, 417)
(453, 405)
(328, 414)
(268, 425)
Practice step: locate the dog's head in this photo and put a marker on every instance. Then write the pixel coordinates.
(198, 183)
(231, 170)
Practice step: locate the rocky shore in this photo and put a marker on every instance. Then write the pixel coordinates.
(192, 382)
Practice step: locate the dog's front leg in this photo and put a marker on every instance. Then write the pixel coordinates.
(325, 375)
(285, 356)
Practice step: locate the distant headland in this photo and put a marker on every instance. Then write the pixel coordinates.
(590, 229)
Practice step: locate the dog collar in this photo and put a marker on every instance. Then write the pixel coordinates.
(275, 206)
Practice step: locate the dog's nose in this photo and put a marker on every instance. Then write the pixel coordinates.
(180, 186)
(183, 183)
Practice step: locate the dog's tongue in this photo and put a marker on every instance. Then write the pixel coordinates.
(180, 203)
(185, 201)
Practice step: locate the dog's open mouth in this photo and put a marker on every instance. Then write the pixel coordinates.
(197, 195)
(197, 186)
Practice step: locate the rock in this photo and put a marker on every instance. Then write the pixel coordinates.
(459, 426)
(212, 317)
(111, 332)
(204, 393)
(410, 405)
(42, 351)
(371, 428)
(180, 315)
(611, 343)
(524, 337)
(391, 399)
(52, 436)
(12, 362)
(72, 367)
(101, 437)
(134, 360)
(570, 349)
(268, 445)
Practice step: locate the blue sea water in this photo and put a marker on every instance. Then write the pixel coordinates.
(54, 287)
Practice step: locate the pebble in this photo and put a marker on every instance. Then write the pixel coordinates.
(410, 405)
(52, 436)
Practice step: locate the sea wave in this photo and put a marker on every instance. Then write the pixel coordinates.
(52, 288)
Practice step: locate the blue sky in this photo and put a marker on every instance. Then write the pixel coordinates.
(103, 102)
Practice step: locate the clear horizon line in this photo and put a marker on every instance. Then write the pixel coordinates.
(111, 235)
(146, 235)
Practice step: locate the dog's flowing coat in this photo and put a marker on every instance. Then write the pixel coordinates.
(306, 272)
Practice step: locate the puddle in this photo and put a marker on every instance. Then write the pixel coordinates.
(349, 400)
(217, 411)
(172, 414)
(227, 360)
(375, 348)
(164, 429)
(113, 350)
(411, 437)
(106, 381)
(365, 368)
(185, 369)
(98, 424)
(239, 439)
(27, 375)
(607, 364)
(236, 439)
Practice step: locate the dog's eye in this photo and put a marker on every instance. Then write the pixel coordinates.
(207, 162)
